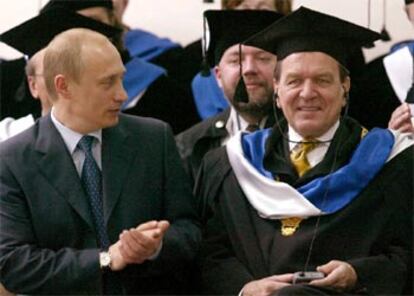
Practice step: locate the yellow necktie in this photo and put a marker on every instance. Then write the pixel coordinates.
(299, 156)
(301, 163)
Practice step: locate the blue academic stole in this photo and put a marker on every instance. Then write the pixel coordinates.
(145, 45)
(139, 76)
(345, 183)
(208, 96)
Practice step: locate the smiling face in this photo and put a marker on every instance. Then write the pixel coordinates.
(310, 92)
(258, 67)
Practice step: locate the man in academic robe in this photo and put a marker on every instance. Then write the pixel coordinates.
(228, 28)
(316, 193)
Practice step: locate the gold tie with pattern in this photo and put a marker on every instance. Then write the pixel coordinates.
(299, 156)
(300, 162)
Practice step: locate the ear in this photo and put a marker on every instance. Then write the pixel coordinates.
(346, 85)
(31, 81)
(217, 73)
(276, 95)
(62, 86)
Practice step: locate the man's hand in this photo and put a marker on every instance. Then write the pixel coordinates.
(340, 276)
(117, 261)
(401, 119)
(140, 243)
(268, 285)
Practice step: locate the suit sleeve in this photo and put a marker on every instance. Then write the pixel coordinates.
(182, 239)
(27, 267)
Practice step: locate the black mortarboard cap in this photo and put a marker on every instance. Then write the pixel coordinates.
(36, 33)
(75, 5)
(307, 30)
(408, 2)
(230, 27)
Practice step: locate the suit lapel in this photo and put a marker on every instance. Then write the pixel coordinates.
(118, 153)
(56, 164)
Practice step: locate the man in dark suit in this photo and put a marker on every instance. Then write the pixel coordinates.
(91, 201)
(227, 29)
(317, 193)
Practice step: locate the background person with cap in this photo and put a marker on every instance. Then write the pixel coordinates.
(399, 65)
(228, 28)
(151, 92)
(30, 38)
(208, 96)
(316, 192)
(104, 206)
(376, 90)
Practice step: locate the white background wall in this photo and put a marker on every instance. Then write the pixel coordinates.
(181, 19)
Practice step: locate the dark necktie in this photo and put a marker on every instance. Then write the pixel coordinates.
(91, 178)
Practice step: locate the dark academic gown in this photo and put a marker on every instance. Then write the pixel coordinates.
(15, 98)
(195, 142)
(207, 135)
(372, 98)
(373, 233)
(165, 100)
(190, 61)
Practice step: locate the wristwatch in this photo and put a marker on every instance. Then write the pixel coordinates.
(105, 260)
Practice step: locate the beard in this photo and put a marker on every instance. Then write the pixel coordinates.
(256, 106)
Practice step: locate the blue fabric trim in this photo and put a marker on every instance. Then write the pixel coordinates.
(138, 76)
(146, 45)
(208, 96)
(398, 46)
(253, 146)
(332, 192)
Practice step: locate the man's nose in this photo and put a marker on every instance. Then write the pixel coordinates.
(308, 90)
(249, 66)
(121, 94)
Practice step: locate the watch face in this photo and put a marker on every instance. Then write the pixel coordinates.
(104, 259)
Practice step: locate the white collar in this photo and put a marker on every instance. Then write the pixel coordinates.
(71, 137)
(295, 137)
(237, 123)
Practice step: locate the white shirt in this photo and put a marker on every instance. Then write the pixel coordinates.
(72, 138)
(237, 123)
(316, 155)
